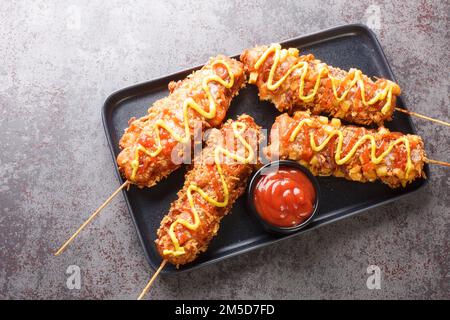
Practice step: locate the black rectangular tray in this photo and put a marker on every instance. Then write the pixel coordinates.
(345, 47)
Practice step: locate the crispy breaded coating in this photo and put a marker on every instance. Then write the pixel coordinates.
(312, 85)
(205, 175)
(329, 148)
(147, 147)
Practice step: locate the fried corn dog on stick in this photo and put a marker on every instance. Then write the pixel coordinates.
(204, 96)
(329, 148)
(218, 177)
(155, 145)
(301, 82)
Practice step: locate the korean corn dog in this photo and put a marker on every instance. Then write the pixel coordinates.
(203, 96)
(302, 82)
(218, 177)
(327, 148)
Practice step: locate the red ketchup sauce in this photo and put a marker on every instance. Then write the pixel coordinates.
(284, 197)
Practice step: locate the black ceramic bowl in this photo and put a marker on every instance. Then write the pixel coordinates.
(254, 181)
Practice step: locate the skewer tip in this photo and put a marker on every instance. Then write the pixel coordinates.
(411, 113)
(152, 279)
(91, 217)
(441, 163)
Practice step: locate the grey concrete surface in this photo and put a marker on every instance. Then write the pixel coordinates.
(61, 59)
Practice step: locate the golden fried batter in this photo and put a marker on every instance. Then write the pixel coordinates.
(140, 161)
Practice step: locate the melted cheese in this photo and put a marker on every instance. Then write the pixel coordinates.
(338, 157)
(188, 103)
(238, 128)
(303, 66)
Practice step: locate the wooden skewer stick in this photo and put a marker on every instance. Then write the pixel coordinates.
(422, 116)
(441, 163)
(89, 220)
(149, 284)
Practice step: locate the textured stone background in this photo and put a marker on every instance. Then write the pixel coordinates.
(58, 64)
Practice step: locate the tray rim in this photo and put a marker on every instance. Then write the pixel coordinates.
(342, 30)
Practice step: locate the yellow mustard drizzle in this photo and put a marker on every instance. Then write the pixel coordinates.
(303, 65)
(188, 103)
(338, 153)
(238, 128)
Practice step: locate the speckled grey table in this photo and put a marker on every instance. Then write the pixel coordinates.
(60, 61)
